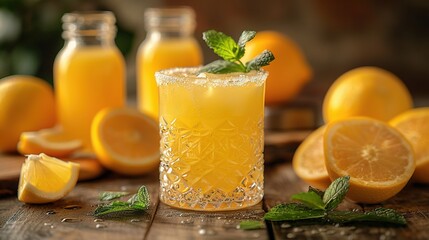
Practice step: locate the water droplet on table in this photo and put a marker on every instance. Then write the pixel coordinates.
(98, 220)
(73, 207)
(204, 231)
(228, 222)
(285, 225)
(187, 221)
(290, 235)
(100, 225)
(70, 220)
(50, 212)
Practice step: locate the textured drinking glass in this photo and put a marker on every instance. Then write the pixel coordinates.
(212, 139)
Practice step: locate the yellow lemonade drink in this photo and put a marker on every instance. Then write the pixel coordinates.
(157, 55)
(89, 72)
(211, 139)
(87, 80)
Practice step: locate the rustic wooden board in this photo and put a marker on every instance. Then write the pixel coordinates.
(21, 221)
(171, 223)
(34, 221)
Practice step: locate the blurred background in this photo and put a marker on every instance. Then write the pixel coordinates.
(335, 35)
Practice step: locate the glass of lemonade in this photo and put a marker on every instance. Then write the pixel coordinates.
(212, 139)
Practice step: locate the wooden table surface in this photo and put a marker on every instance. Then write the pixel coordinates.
(22, 221)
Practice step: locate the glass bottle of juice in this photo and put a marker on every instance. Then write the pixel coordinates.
(89, 72)
(169, 43)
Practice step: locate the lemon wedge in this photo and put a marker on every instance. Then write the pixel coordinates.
(51, 141)
(46, 179)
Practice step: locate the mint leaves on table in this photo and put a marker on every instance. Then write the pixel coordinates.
(316, 204)
(319, 206)
(251, 225)
(107, 196)
(138, 202)
(232, 52)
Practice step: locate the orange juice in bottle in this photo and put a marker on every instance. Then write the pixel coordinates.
(169, 43)
(89, 72)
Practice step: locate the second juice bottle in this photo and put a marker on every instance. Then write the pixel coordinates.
(169, 43)
(89, 72)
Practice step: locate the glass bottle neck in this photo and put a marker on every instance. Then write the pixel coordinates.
(169, 22)
(89, 29)
(82, 41)
(157, 34)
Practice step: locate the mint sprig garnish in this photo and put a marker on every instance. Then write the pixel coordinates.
(138, 202)
(231, 52)
(320, 207)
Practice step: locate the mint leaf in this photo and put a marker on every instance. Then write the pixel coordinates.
(259, 61)
(113, 207)
(317, 191)
(292, 212)
(336, 192)
(221, 66)
(310, 199)
(138, 202)
(141, 200)
(222, 45)
(232, 52)
(244, 38)
(107, 196)
(383, 215)
(251, 225)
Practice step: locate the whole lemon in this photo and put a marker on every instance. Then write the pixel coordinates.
(366, 91)
(26, 104)
(288, 73)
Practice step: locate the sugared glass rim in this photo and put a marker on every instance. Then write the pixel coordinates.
(188, 76)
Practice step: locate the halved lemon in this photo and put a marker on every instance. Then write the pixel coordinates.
(309, 160)
(377, 157)
(51, 141)
(126, 141)
(414, 125)
(46, 179)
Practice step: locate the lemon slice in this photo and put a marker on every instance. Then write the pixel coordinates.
(309, 160)
(46, 179)
(413, 124)
(126, 141)
(377, 157)
(52, 142)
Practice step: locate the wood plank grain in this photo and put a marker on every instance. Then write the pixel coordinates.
(35, 222)
(172, 223)
(10, 167)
